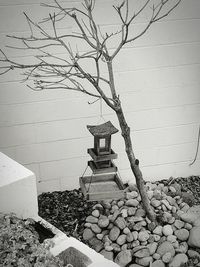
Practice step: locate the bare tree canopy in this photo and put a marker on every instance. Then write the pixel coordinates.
(89, 71)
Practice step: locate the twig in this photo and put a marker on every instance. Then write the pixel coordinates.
(197, 148)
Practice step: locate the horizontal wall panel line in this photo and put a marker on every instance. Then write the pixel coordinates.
(88, 136)
(94, 116)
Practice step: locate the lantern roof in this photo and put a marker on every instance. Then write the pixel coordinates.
(102, 130)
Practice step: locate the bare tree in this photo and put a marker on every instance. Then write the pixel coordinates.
(51, 71)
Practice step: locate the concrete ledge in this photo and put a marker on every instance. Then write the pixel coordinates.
(18, 191)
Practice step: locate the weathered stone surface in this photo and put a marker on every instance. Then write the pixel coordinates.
(152, 248)
(155, 203)
(156, 256)
(179, 224)
(91, 219)
(132, 203)
(124, 213)
(140, 212)
(167, 230)
(144, 261)
(138, 226)
(103, 221)
(131, 211)
(143, 236)
(193, 253)
(182, 234)
(114, 233)
(171, 238)
(132, 194)
(143, 252)
(96, 244)
(121, 240)
(158, 263)
(165, 247)
(129, 237)
(135, 235)
(126, 230)
(87, 234)
(183, 248)
(178, 260)
(120, 223)
(158, 230)
(107, 254)
(96, 213)
(166, 258)
(194, 237)
(123, 258)
(95, 228)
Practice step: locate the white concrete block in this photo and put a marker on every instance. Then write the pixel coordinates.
(18, 192)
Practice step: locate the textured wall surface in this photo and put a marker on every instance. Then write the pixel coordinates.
(157, 78)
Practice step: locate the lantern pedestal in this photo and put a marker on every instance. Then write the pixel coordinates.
(100, 187)
(101, 167)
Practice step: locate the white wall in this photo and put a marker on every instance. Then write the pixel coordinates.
(158, 80)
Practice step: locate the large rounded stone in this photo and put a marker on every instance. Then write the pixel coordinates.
(123, 258)
(114, 233)
(143, 252)
(121, 240)
(179, 224)
(158, 230)
(165, 247)
(96, 244)
(194, 237)
(178, 260)
(166, 258)
(182, 234)
(107, 254)
(103, 221)
(152, 247)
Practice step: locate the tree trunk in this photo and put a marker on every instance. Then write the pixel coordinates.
(134, 163)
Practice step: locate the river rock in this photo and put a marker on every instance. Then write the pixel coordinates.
(144, 261)
(121, 239)
(107, 254)
(167, 230)
(158, 230)
(103, 221)
(143, 252)
(183, 248)
(165, 247)
(135, 265)
(193, 253)
(132, 194)
(158, 263)
(120, 223)
(171, 238)
(87, 234)
(194, 237)
(178, 260)
(96, 213)
(166, 258)
(114, 233)
(91, 219)
(152, 248)
(129, 237)
(95, 228)
(135, 235)
(140, 212)
(131, 211)
(143, 236)
(123, 258)
(182, 234)
(179, 224)
(96, 244)
(132, 203)
(155, 203)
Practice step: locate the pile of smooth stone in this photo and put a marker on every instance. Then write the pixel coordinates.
(121, 231)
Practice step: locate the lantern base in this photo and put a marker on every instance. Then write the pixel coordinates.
(101, 187)
(98, 168)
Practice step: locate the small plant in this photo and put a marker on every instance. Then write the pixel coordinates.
(19, 244)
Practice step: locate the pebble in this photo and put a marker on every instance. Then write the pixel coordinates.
(121, 239)
(107, 254)
(194, 237)
(158, 230)
(114, 233)
(95, 228)
(123, 258)
(152, 248)
(166, 203)
(167, 230)
(103, 221)
(87, 234)
(156, 256)
(146, 261)
(158, 263)
(143, 236)
(120, 223)
(171, 238)
(132, 194)
(183, 247)
(129, 237)
(91, 219)
(155, 203)
(140, 212)
(126, 230)
(135, 235)
(96, 213)
(132, 202)
(178, 260)
(120, 203)
(124, 213)
(179, 224)
(131, 211)
(182, 234)
(166, 258)
(141, 253)
(165, 247)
